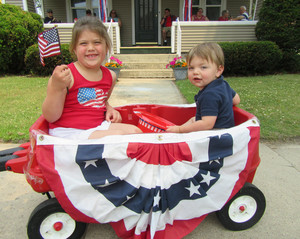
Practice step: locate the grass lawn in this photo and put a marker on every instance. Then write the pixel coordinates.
(21, 100)
(273, 99)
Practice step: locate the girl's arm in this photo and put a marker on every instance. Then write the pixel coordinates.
(206, 123)
(53, 105)
(111, 114)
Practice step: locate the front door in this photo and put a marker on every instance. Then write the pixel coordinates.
(146, 29)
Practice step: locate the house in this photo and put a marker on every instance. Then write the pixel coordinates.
(141, 19)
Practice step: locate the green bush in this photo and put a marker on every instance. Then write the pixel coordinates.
(18, 30)
(251, 58)
(279, 22)
(33, 63)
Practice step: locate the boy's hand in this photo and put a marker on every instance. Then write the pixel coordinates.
(61, 77)
(173, 129)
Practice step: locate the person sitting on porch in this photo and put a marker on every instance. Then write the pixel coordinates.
(166, 23)
(225, 16)
(243, 15)
(88, 12)
(199, 16)
(114, 17)
(50, 18)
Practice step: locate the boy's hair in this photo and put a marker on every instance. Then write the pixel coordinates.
(92, 24)
(211, 52)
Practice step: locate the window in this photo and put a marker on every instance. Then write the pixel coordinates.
(79, 7)
(213, 9)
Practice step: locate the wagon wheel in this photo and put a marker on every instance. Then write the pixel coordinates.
(244, 210)
(48, 220)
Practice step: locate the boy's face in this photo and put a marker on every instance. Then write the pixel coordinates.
(202, 72)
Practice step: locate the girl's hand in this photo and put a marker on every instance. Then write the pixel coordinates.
(112, 115)
(173, 129)
(61, 78)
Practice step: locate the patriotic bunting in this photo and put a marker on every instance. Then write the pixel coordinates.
(148, 185)
(187, 10)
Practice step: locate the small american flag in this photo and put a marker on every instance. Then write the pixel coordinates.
(48, 44)
(93, 97)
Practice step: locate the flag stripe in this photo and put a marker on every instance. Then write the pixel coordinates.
(49, 45)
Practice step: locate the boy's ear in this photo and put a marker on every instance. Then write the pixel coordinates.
(220, 71)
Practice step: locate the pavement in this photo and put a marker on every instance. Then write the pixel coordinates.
(277, 177)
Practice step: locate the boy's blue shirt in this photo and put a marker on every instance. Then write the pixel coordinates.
(216, 100)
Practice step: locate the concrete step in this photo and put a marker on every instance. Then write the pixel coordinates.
(146, 73)
(145, 58)
(145, 65)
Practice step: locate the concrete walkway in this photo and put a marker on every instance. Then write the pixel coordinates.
(277, 177)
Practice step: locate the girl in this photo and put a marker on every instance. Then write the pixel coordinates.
(76, 105)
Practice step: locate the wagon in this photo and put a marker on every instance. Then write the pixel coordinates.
(146, 185)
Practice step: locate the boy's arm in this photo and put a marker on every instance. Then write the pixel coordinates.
(53, 105)
(236, 99)
(206, 123)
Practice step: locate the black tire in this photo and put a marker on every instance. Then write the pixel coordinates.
(49, 214)
(244, 210)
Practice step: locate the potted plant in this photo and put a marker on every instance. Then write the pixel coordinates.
(179, 67)
(114, 64)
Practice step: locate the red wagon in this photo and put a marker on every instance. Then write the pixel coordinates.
(154, 178)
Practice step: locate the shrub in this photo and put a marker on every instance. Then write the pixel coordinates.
(250, 58)
(33, 63)
(279, 22)
(18, 30)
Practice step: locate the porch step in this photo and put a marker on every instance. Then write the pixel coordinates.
(146, 73)
(145, 66)
(145, 50)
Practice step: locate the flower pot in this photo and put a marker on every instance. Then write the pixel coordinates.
(180, 73)
(116, 70)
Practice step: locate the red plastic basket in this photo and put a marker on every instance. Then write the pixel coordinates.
(150, 123)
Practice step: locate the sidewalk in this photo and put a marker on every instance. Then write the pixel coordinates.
(277, 177)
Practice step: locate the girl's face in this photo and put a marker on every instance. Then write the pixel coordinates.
(90, 49)
(202, 72)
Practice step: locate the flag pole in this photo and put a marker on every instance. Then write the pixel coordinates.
(61, 55)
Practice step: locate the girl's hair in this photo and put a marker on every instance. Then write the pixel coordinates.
(92, 24)
(211, 52)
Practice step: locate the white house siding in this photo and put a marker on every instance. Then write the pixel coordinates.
(30, 5)
(58, 7)
(123, 8)
(194, 33)
(18, 3)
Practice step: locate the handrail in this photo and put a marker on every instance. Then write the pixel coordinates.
(110, 33)
(178, 38)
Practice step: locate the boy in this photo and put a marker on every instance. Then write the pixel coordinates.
(215, 99)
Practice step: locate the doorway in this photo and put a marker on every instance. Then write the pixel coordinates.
(146, 21)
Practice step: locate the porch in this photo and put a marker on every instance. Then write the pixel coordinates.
(184, 35)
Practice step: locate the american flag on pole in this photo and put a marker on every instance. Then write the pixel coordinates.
(49, 44)
(102, 10)
(187, 10)
(149, 185)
